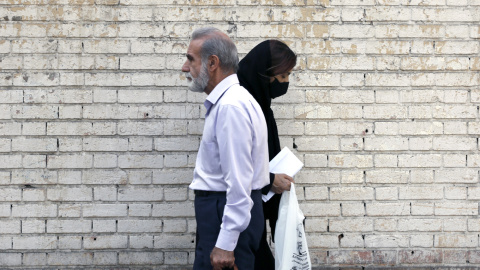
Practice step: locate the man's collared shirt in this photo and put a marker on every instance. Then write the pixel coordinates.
(233, 155)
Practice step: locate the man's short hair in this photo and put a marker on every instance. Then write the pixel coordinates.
(219, 45)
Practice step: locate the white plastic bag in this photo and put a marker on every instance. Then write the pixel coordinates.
(291, 250)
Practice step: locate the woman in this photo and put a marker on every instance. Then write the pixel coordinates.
(264, 72)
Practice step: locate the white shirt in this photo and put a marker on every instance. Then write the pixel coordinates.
(233, 155)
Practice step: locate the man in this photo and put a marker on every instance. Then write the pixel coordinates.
(232, 162)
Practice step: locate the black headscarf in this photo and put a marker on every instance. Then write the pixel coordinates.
(252, 75)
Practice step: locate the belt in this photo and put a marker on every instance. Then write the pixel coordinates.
(205, 193)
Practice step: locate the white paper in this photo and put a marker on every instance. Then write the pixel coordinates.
(284, 162)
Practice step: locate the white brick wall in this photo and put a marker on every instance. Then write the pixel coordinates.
(98, 134)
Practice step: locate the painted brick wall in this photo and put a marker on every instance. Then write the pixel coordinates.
(98, 133)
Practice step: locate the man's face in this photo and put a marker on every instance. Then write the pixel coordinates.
(197, 74)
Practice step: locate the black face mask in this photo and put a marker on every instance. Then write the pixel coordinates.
(277, 88)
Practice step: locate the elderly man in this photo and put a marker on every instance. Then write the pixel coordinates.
(232, 162)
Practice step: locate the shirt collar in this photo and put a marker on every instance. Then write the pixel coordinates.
(219, 90)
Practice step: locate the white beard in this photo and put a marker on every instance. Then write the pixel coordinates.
(200, 83)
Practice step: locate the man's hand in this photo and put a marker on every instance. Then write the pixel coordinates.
(281, 182)
(221, 259)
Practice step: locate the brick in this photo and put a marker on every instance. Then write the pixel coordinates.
(456, 241)
(352, 240)
(387, 176)
(385, 160)
(105, 226)
(385, 225)
(35, 259)
(104, 177)
(33, 226)
(386, 144)
(169, 176)
(351, 193)
(35, 242)
(70, 161)
(105, 210)
(350, 257)
(176, 258)
(69, 210)
(316, 193)
(10, 194)
(140, 96)
(173, 210)
(323, 241)
(140, 194)
(5, 210)
(105, 144)
(421, 193)
(453, 143)
(456, 209)
(387, 209)
(314, 14)
(64, 258)
(421, 160)
(316, 177)
(174, 226)
(455, 160)
(357, 161)
(421, 241)
(140, 258)
(105, 242)
(455, 225)
(351, 225)
(420, 256)
(168, 241)
(10, 226)
(105, 258)
(419, 225)
(11, 259)
(456, 193)
(34, 145)
(140, 242)
(34, 195)
(456, 176)
(386, 193)
(353, 209)
(140, 226)
(455, 256)
(456, 47)
(5, 178)
(105, 161)
(140, 161)
(70, 194)
(386, 241)
(270, 31)
(69, 226)
(34, 210)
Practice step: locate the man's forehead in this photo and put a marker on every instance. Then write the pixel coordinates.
(194, 47)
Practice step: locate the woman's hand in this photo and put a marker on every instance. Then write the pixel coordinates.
(281, 182)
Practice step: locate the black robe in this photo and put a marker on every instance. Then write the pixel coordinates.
(252, 75)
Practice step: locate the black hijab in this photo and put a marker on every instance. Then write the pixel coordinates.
(252, 75)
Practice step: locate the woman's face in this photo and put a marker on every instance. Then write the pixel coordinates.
(282, 78)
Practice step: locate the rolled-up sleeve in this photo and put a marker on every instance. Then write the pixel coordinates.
(235, 139)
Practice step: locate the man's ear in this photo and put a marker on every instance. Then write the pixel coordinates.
(213, 63)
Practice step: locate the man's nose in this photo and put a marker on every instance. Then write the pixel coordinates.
(185, 68)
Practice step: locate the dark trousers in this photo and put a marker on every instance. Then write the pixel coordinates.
(264, 259)
(209, 213)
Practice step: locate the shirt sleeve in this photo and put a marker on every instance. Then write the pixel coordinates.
(234, 131)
